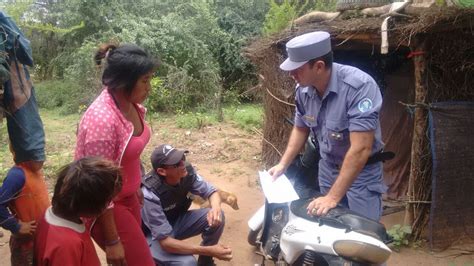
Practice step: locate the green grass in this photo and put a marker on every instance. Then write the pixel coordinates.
(5, 155)
(60, 142)
(246, 116)
(60, 131)
(195, 120)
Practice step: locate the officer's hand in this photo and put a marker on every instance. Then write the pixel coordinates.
(115, 255)
(214, 217)
(220, 252)
(27, 228)
(276, 171)
(320, 206)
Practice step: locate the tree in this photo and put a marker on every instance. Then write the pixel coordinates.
(199, 43)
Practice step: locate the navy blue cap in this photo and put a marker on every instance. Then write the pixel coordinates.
(165, 154)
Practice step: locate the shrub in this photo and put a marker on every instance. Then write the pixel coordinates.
(84, 72)
(278, 16)
(159, 96)
(62, 94)
(281, 13)
(400, 235)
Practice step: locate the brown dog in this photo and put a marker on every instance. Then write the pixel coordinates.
(226, 197)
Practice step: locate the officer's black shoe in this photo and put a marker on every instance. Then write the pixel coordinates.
(205, 261)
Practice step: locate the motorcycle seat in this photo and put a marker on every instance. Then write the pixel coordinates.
(365, 226)
(341, 217)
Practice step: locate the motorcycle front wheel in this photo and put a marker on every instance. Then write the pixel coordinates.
(311, 258)
(253, 237)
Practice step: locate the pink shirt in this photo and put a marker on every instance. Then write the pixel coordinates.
(131, 162)
(104, 131)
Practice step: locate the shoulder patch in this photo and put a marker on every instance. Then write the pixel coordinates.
(365, 105)
(353, 81)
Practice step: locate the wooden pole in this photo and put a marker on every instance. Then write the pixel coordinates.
(220, 112)
(420, 120)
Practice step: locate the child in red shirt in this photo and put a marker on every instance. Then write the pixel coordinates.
(84, 188)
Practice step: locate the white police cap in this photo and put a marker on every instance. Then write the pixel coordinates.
(305, 47)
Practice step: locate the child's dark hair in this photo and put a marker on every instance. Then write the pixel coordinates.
(124, 65)
(86, 186)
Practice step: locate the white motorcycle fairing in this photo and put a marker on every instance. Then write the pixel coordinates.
(256, 221)
(300, 234)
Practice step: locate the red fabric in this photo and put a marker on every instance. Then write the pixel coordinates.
(57, 245)
(397, 129)
(131, 163)
(128, 221)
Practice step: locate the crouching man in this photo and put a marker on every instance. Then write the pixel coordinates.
(166, 218)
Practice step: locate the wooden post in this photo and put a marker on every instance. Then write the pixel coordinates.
(220, 113)
(420, 120)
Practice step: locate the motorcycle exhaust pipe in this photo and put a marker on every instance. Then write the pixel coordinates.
(361, 251)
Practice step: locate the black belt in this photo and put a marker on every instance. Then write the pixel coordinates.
(380, 156)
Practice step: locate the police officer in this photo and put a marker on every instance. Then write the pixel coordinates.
(166, 218)
(341, 105)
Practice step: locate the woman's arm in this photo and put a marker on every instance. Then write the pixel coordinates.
(114, 251)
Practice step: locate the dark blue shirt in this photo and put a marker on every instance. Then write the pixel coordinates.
(12, 185)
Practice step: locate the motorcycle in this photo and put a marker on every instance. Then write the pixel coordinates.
(287, 235)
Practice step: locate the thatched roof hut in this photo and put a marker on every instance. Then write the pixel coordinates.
(430, 59)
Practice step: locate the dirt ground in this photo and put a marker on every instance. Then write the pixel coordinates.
(229, 158)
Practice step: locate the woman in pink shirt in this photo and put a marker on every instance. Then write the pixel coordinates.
(114, 128)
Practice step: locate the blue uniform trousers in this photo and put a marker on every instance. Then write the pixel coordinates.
(191, 223)
(364, 195)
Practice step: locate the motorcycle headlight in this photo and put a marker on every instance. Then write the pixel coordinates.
(361, 251)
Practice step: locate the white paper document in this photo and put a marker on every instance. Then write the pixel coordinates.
(278, 191)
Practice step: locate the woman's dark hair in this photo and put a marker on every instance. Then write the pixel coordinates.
(327, 59)
(124, 65)
(86, 186)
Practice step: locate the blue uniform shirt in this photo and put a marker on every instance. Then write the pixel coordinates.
(351, 102)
